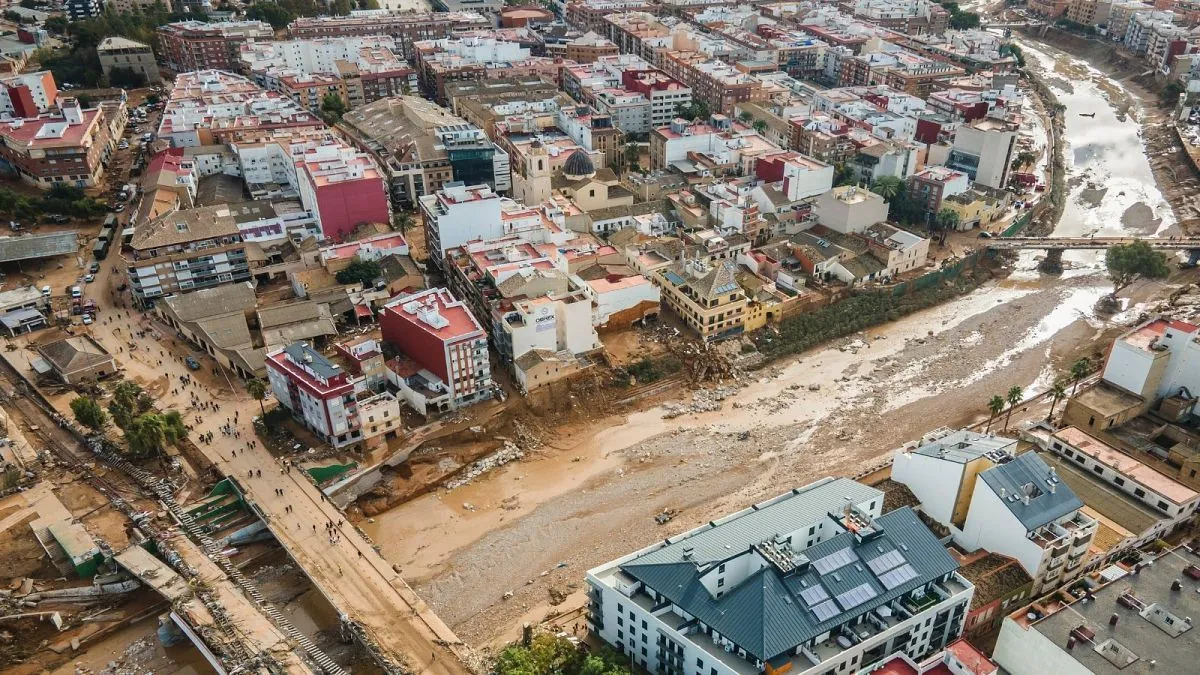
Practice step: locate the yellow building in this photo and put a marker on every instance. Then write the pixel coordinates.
(976, 208)
(706, 295)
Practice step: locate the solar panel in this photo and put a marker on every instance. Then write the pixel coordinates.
(856, 596)
(898, 576)
(825, 611)
(885, 562)
(834, 561)
(814, 595)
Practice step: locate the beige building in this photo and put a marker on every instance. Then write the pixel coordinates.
(119, 52)
(706, 295)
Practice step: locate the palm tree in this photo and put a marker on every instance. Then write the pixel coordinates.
(174, 429)
(996, 405)
(126, 394)
(888, 187)
(1057, 391)
(1014, 396)
(258, 392)
(946, 220)
(146, 434)
(1079, 370)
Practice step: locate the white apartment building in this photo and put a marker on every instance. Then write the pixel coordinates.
(309, 56)
(1174, 502)
(850, 209)
(988, 498)
(458, 214)
(1156, 359)
(984, 151)
(630, 111)
(1141, 25)
(28, 94)
(814, 581)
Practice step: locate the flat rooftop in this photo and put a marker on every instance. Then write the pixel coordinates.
(1156, 650)
(1126, 465)
(1102, 497)
(38, 246)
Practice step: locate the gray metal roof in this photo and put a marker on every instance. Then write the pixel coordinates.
(15, 318)
(316, 362)
(38, 246)
(1029, 474)
(769, 614)
(963, 446)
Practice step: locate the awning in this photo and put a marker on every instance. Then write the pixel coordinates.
(362, 311)
(17, 318)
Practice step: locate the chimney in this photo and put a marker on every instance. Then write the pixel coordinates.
(1112, 620)
(1003, 494)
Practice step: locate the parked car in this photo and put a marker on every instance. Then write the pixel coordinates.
(58, 218)
(191, 363)
(94, 267)
(87, 319)
(76, 292)
(46, 292)
(89, 278)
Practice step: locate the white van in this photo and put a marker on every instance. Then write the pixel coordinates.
(76, 292)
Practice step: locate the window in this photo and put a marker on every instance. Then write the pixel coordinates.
(699, 662)
(620, 621)
(1098, 469)
(1139, 492)
(643, 624)
(1163, 505)
(721, 582)
(721, 569)
(620, 634)
(1069, 453)
(1118, 480)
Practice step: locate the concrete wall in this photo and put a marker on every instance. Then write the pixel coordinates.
(992, 526)
(1023, 651)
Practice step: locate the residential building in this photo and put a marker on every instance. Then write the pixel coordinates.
(801, 177)
(816, 566)
(422, 147)
(196, 45)
(70, 147)
(589, 47)
(1092, 13)
(717, 84)
(984, 151)
(81, 10)
(213, 107)
(705, 295)
(590, 14)
(635, 33)
(1119, 16)
(614, 84)
(905, 16)
(718, 145)
(119, 52)
(76, 360)
(29, 94)
(989, 498)
(959, 658)
(1142, 26)
(186, 250)
(326, 399)
(361, 69)
(1051, 9)
(1001, 585)
(850, 209)
(1175, 503)
(934, 184)
(444, 355)
(343, 189)
(1134, 618)
(458, 214)
(21, 310)
(439, 62)
(978, 207)
(405, 27)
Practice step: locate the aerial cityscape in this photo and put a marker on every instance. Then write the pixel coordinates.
(600, 337)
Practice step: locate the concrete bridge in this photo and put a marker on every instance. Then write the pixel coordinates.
(1089, 243)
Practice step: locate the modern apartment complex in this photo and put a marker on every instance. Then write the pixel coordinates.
(988, 497)
(405, 27)
(70, 147)
(196, 45)
(814, 581)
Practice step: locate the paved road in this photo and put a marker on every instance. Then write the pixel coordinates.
(358, 582)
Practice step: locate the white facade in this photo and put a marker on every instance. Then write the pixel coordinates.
(459, 214)
(551, 324)
(610, 298)
(984, 153)
(631, 616)
(805, 177)
(1025, 651)
(1155, 360)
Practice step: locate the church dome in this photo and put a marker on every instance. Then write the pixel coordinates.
(578, 165)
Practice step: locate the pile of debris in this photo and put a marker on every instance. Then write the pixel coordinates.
(703, 400)
(704, 362)
(509, 452)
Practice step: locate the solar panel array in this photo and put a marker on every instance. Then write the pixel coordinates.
(901, 574)
(826, 610)
(885, 562)
(815, 595)
(834, 561)
(856, 596)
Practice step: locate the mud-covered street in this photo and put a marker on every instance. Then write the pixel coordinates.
(533, 527)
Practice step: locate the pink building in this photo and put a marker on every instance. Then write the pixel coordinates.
(344, 186)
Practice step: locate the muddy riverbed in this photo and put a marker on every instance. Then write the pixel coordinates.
(534, 527)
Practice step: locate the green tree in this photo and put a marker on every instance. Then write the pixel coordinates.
(548, 654)
(996, 405)
(964, 20)
(332, 107)
(888, 187)
(945, 221)
(126, 78)
(146, 435)
(360, 271)
(270, 12)
(1014, 396)
(745, 116)
(89, 413)
(56, 24)
(1128, 263)
(760, 126)
(258, 392)
(843, 174)
(1079, 370)
(174, 428)
(1057, 391)
(1170, 93)
(1024, 158)
(340, 7)
(126, 394)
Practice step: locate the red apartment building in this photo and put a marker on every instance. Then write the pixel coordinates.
(444, 355)
(316, 391)
(195, 45)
